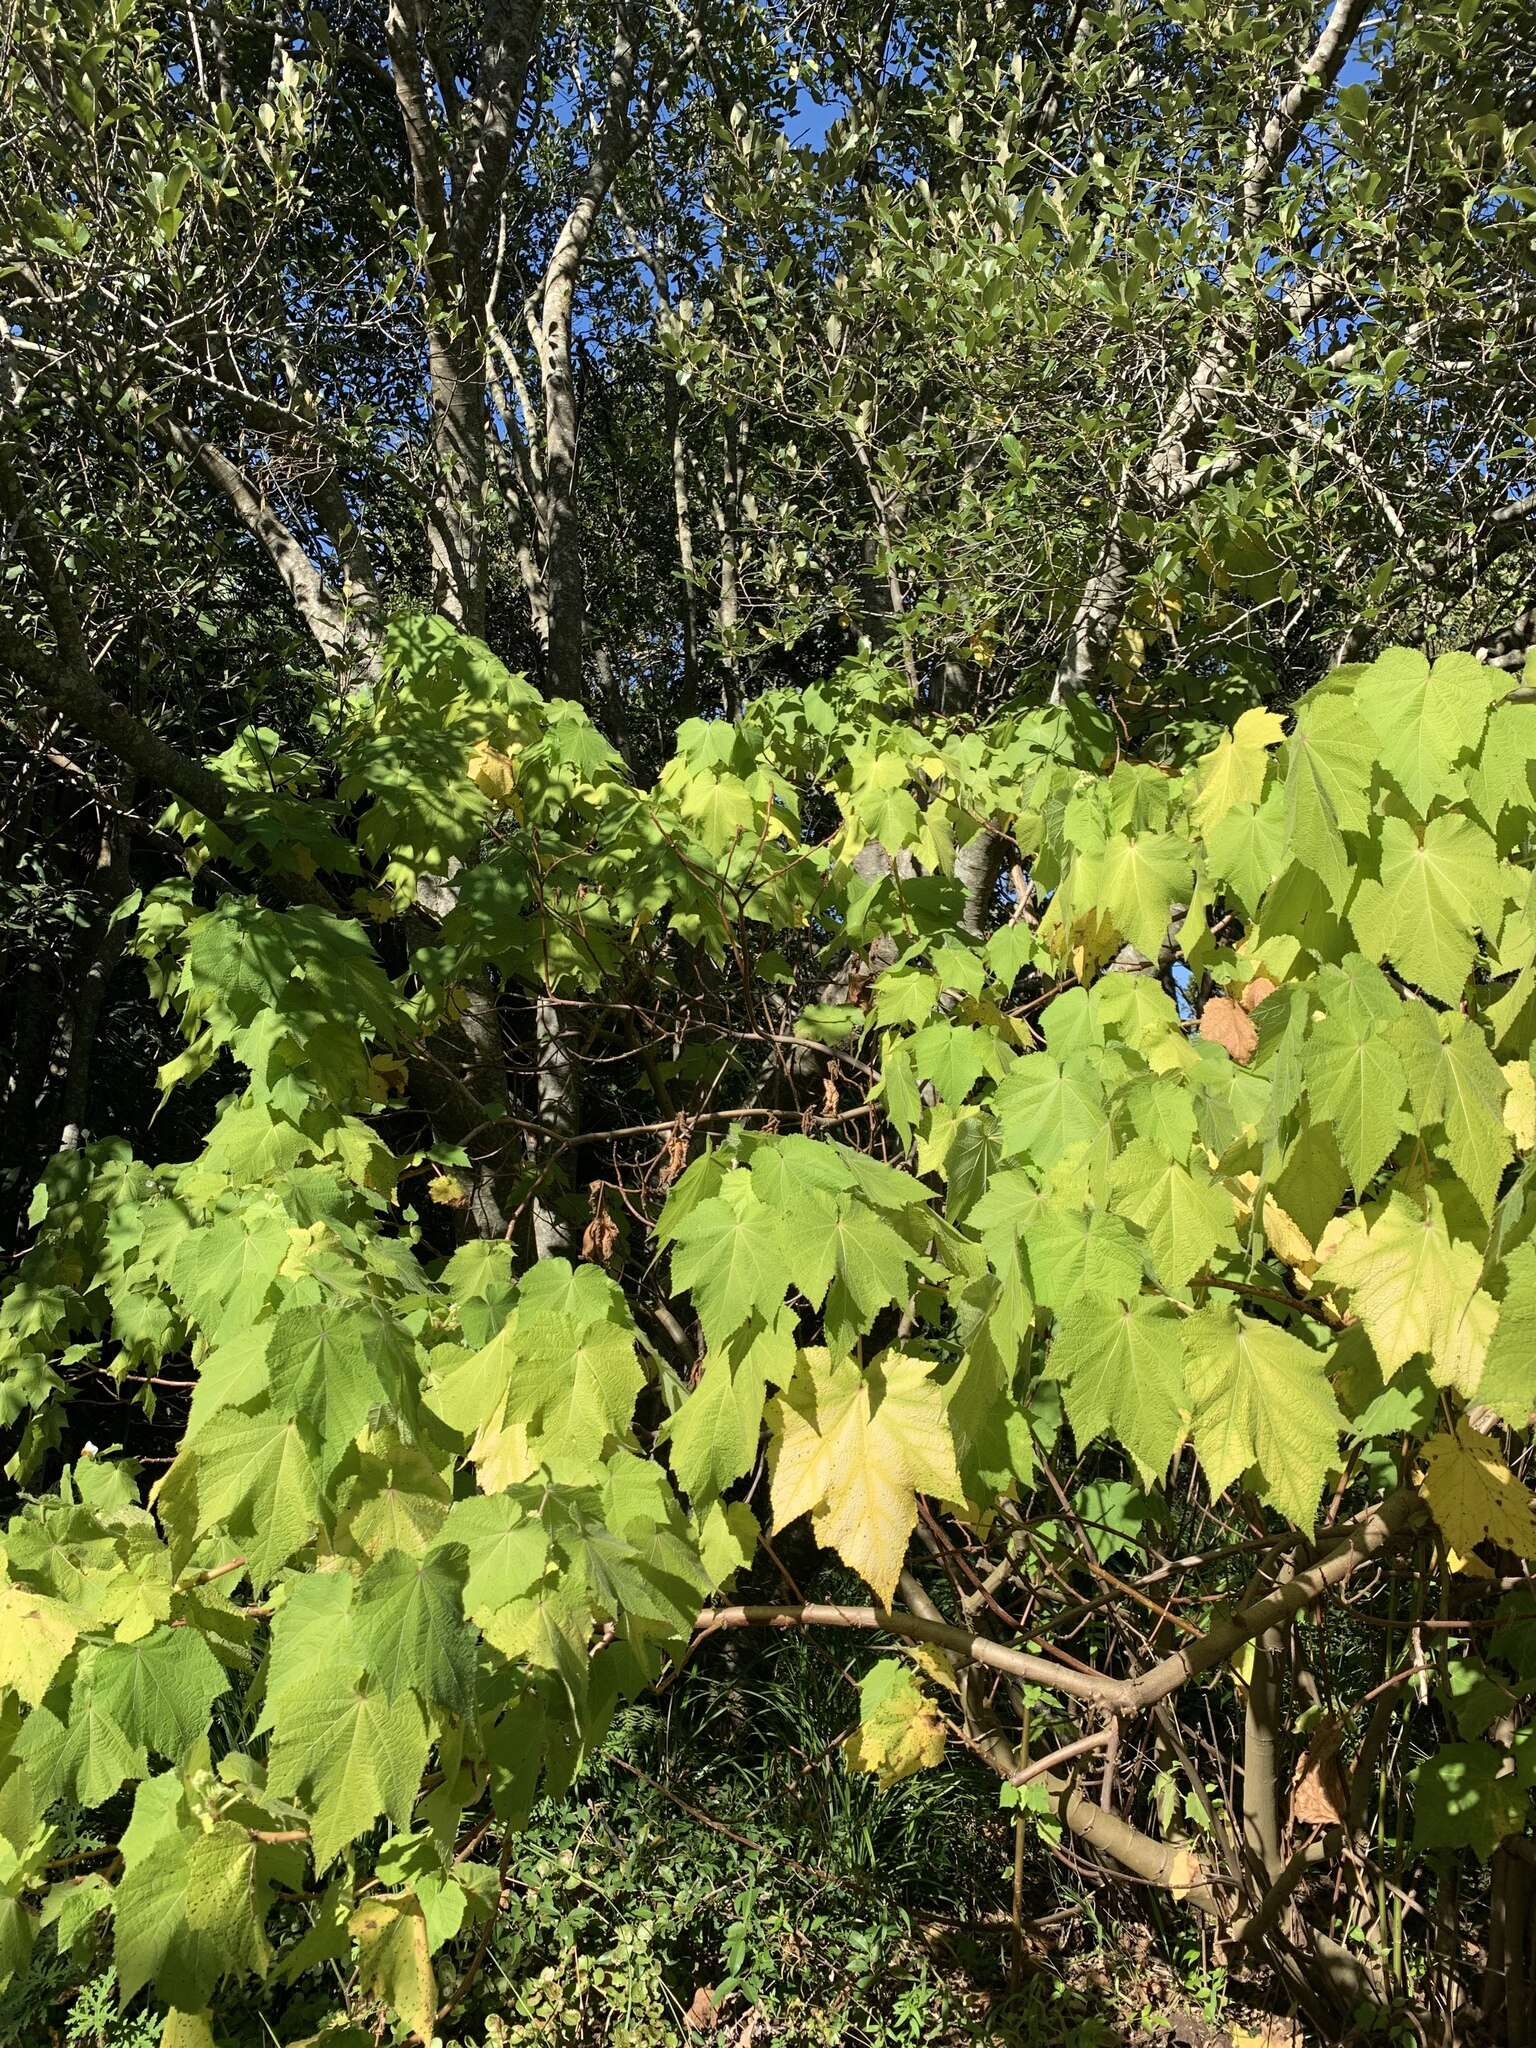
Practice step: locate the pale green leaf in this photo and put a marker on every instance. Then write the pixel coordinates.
(1184, 1215)
(350, 1754)
(1260, 1398)
(1122, 1368)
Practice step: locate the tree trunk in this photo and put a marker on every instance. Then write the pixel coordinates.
(456, 522)
(559, 1110)
(728, 525)
(689, 702)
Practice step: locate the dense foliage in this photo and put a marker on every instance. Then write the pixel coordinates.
(961, 995)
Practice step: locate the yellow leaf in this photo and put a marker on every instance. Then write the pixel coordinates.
(500, 1453)
(1094, 940)
(448, 1191)
(492, 773)
(36, 1635)
(1467, 1567)
(1473, 1495)
(1410, 1283)
(853, 1447)
(306, 1241)
(933, 1663)
(1185, 1874)
(1233, 771)
(1463, 1351)
(1286, 1237)
(899, 1731)
(186, 2030)
(393, 1961)
(389, 1075)
(1520, 1104)
(1281, 1229)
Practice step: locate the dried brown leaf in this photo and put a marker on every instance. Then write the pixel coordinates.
(1226, 1023)
(1319, 1795)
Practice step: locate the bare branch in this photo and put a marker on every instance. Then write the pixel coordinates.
(341, 633)
(1277, 138)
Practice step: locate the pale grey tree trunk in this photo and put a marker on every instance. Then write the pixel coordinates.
(559, 1111)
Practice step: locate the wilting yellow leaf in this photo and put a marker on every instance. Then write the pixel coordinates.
(899, 1729)
(1473, 1495)
(394, 1963)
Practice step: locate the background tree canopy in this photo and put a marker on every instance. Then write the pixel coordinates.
(772, 816)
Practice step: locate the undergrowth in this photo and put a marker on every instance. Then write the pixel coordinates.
(719, 1873)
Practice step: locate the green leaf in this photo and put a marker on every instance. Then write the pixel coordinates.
(1122, 1368)
(1082, 1252)
(805, 1223)
(575, 1386)
(153, 1939)
(311, 1629)
(1425, 719)
(728, 1255)
(1247, 849)
(351, 1754)
(951, 1056)
(221, 1274)
(1501, 779)
(905, 995)
(1328, 762)
(830, 1023)
(408, 1624)
(190, 1905)
(393, 1498)
(1184, 1215)
(1046, 1106)
(870, 1260)
(1508, 1382)
(256, 1475)
(1465, 1799)
(507, 1548)
(233, 1375)
(728, 1537)
(1260, 1398)
(478, 1280)
(1454, 1079)
(1434, 892)
(324, 1366)
(714, 1435)
(160, 1690)
(1141, 877)
(1355, 1081)
(85, 1757)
